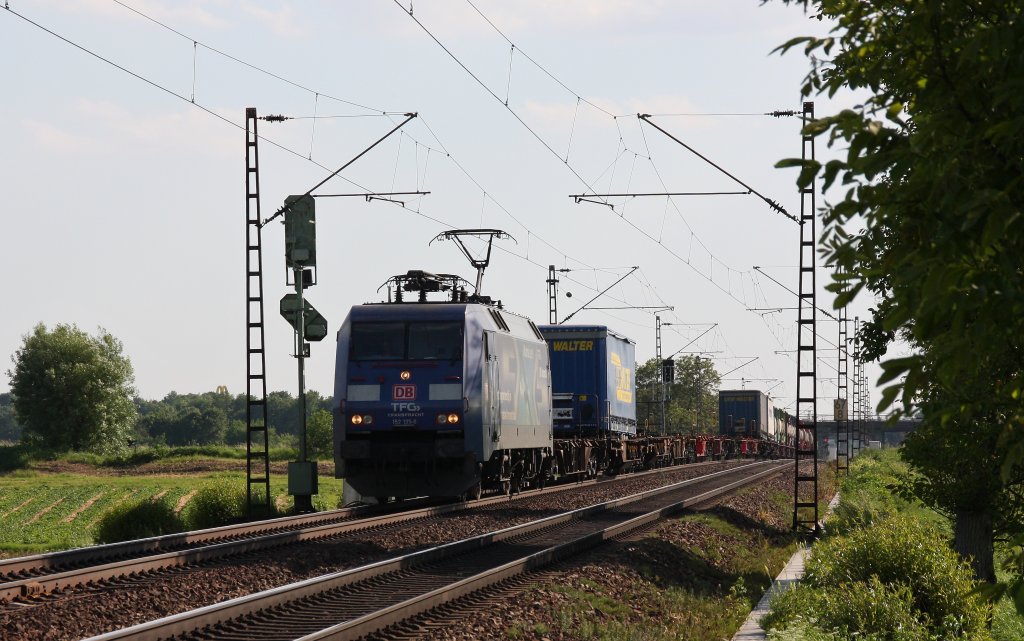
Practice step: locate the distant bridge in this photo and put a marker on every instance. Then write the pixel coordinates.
(875, 428)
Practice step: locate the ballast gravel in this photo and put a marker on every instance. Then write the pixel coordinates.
(83, 612)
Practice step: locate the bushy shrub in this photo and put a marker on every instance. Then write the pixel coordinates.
(875, 490)
(870, 611)
(903, 552)
(216, 504)
(801, 630)
(896, 580)
(220, 503)
(859, 509)
(138, 520)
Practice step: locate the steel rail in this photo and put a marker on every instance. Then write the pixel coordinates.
(195, 620)
(97, 553)
(400, 612)
(41, 574)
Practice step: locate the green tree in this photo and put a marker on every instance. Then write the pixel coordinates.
(691, 403)
(156, 419)
(72, 390)
(9, 428)
(283, 412)
(320, 435)
(932, 172)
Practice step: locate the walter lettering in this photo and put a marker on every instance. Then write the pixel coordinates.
(573, 346)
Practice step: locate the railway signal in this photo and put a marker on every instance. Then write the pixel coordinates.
(314, 324)
(300, 257)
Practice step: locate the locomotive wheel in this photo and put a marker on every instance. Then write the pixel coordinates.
(474, 492)
(592, 466)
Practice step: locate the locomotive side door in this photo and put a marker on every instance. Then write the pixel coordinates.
(492, 396)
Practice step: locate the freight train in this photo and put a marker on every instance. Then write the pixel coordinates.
(749, 418)
(459, 396)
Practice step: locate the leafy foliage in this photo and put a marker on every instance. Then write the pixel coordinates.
(217, 417)
(876, 489)
(320, 435)
(871, 610)
(932, 172)
(138, 520)
(692, 399)
(218, 503)
(72, 390)
(9, 428)
(896, 579)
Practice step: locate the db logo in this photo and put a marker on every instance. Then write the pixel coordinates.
(403, 393)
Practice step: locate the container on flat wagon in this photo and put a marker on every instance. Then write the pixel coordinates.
(593, 373)
(748, 413)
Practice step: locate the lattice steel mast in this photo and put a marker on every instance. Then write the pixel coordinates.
(805, 494)
(257, 455)
(843, 402)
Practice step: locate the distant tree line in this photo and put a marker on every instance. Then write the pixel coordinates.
(210, 418)
(74, 391)
(214, 418)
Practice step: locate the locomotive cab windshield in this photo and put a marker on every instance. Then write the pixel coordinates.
(406, 341)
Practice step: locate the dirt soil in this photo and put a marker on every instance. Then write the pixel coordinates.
(165, 467)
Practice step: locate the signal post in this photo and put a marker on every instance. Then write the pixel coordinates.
(309, 325)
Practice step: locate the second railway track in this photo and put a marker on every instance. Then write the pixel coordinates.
(364, 600)
(46, 573)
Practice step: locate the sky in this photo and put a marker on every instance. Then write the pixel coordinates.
(124, 177)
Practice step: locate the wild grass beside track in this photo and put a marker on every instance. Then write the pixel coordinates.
(870, 494)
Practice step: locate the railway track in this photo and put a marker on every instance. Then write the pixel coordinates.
(368, 599)
(43, 574)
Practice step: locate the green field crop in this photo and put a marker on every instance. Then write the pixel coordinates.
(42, 512)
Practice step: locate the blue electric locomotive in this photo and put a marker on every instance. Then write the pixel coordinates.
(439, 398)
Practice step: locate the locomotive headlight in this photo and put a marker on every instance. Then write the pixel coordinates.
(357, 419)
(367, 420)
(442, 419)
(453, 418)
(405, 375)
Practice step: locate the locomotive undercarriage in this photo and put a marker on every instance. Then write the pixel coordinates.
(414, 464)
(509, 471)
(405, 465)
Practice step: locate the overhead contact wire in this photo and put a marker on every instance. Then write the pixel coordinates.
(493, 95)
(535, 63)
(247, 64)
(284, 148)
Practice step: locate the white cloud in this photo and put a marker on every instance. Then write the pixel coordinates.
(180, 130)
(177, 14)
(47, 136)
(576, 13)
(281, 21)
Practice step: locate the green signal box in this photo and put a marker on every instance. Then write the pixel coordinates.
(315, 325)
(300, 231)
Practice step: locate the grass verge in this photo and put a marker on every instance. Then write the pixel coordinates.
(887, 571)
